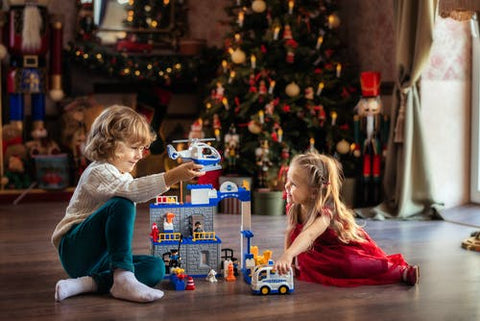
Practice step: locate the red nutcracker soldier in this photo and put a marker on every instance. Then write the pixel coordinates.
(370, 135)
(35, 45)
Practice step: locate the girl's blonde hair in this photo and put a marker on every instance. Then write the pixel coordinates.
(325, 177)
(115, 125)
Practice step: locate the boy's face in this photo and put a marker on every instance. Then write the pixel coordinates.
(126, 156)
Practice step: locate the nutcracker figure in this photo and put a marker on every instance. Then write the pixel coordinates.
(232, 146)
(34, 41)
(263, 163)
(370, 131)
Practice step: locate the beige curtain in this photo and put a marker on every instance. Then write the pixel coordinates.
(407, 177)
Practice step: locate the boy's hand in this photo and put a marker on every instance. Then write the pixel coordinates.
(183, 172)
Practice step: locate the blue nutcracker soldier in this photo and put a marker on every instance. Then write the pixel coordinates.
(34, 45)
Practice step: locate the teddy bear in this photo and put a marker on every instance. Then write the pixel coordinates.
(41, 144)
(77, 118)
(15, 155)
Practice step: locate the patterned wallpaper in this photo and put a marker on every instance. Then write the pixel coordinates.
(368, 31)
(206, 18)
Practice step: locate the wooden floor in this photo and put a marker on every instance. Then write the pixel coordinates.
(449, 288)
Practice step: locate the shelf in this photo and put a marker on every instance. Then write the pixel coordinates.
(35, 195)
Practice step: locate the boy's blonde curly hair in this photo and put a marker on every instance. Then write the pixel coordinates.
(117, 124)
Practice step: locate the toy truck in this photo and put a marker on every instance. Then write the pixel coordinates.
(265, 280)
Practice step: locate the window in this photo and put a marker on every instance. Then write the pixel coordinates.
(204, 259)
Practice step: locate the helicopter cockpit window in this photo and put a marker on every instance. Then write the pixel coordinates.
(206, 151)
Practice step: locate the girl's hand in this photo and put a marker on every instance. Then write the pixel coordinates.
(183, 172)
(283, 264)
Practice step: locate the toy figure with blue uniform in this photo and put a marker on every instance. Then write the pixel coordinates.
(33, 36)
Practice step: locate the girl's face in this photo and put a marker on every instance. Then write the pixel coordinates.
(127, 156)
(297, 188)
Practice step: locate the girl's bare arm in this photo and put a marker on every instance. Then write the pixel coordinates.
(302, 243)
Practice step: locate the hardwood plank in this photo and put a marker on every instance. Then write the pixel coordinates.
(449, 289)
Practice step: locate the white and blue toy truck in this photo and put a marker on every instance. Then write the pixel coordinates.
(265, 280)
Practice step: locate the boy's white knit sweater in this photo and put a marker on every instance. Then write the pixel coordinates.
(100, 182)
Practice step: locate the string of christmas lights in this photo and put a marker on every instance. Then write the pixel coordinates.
(161, 69)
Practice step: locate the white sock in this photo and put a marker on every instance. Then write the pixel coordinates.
(127, 287)
(70, 287)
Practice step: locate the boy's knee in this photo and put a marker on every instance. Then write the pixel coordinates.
(120, 201)
(154, 271)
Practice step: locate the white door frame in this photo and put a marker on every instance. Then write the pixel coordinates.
(475, 148)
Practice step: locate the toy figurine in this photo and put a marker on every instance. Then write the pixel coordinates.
(33, 36)
(287, 32)
(283, 171)
(219, 92)
(85, 24)
(226, 263)
(15, 175)
(198, 227)
(211, 276)
(77, 118)
(322, 116)
(309, 94)
(196, 130)
(41, 144)
(262, 89)
(154, 233)
(232, 144)
(14, 157)
(175, 259)
(235, 266)
(370, 132)
(168, 223)
(263, 162)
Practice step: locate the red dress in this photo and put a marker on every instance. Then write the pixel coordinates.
(332, 262)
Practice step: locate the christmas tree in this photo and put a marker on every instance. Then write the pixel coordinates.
(282, 88)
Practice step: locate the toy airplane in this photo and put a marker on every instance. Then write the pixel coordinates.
(198, 152)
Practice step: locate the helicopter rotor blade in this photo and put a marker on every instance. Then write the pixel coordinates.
(194, 140)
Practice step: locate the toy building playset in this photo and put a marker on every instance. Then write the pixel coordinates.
(184, 236)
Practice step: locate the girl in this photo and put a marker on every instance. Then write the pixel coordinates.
(323, 237)
(94, 239)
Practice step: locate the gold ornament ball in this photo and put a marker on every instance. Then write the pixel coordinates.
(259, 6)
(333, 21)
(292, 89)
(357, 153)
(343, 147)
(238, 56)
(254, 127)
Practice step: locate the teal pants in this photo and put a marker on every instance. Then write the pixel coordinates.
(103, 243)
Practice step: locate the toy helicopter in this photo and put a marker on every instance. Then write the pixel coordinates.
(198, 152)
